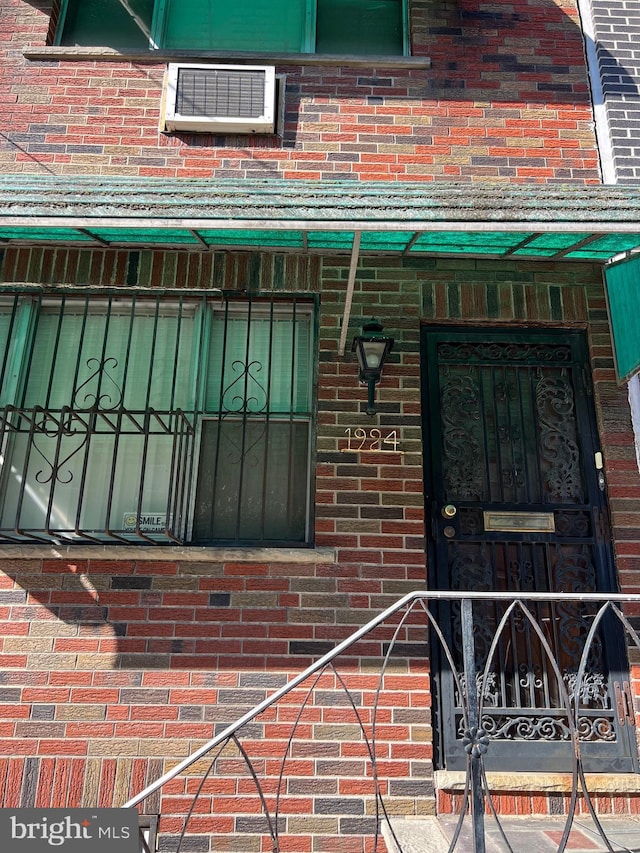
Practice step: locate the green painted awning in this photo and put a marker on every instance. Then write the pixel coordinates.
(490, 220)
(622, 284)
(599, 223)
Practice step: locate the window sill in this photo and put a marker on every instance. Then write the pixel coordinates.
(108, 54)
(167, 553)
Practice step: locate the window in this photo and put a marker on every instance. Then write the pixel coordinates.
(155, 420)
(297, 26)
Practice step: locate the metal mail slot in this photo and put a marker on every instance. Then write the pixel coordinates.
(520, 522)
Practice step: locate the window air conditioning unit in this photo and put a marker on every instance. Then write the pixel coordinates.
(220, 98)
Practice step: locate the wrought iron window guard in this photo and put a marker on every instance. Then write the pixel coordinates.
(133, 417)
(416, 609)
(60, 428)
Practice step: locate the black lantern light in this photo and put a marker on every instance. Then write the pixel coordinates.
(372, 349)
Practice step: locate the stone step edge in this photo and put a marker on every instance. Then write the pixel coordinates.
(530, 783)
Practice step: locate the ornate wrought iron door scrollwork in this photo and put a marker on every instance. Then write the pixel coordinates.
(500, 352)
(558, 441)
(461, 448)
(514, 435)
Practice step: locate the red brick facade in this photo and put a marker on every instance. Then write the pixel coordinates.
(116, 667)
(503, 96)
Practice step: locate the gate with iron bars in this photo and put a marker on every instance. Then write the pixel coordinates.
(516, 493)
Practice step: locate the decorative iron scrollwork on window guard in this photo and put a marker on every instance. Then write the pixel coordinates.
(98, 399)
(77, 420)
(247, 401)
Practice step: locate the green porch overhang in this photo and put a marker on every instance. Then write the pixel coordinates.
(532, 221)
(559, 222)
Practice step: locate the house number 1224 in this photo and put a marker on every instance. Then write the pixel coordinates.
(371, 441)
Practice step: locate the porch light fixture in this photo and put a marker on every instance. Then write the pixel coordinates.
(372, 349)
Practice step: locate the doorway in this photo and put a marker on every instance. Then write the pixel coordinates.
(517, 504)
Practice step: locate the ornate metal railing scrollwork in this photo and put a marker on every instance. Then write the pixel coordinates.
(579, 693)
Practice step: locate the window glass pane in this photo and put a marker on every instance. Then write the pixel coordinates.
(64, 480)
(254, 457)
(108, 23)
(139, 470)
(241, 25)
(111, 355)
(29, 484)
(252, 482)
(261, 364)
(360, 27)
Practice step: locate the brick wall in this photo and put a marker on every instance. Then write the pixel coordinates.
(114, 670)
(505, 97)
(616, 27)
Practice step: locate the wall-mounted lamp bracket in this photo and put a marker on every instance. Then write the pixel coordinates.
(371, 348)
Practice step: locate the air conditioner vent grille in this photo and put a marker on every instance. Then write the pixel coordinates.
(220, 92)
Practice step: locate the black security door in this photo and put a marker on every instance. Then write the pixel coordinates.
(517, 506)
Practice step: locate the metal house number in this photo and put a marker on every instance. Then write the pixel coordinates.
(371, 441)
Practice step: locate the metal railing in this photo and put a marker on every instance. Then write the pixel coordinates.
(531, 613)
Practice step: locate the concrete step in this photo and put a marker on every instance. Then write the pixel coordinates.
(414, 835)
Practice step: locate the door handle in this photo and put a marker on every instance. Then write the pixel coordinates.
(449, 512)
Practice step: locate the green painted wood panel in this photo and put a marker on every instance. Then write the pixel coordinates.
(622, 284)
(260, 25)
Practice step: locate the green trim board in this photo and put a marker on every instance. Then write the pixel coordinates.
(258, 237)
(142, 236)
(38, 234)
(622, 287)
